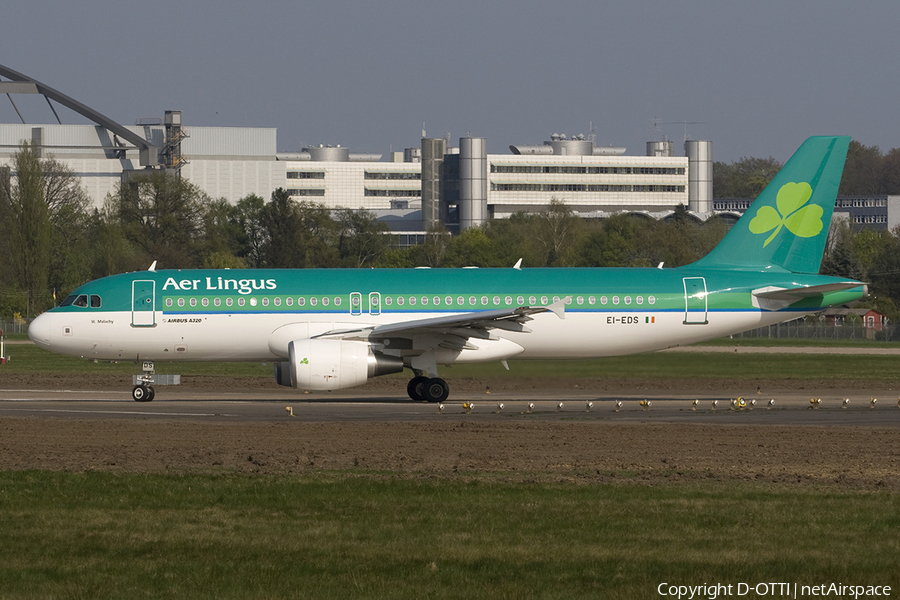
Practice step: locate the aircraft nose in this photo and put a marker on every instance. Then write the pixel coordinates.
(39, 331)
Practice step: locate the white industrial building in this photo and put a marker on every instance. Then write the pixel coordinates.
(234, 162)
(225, 162)
(459, 186)
(336, 177)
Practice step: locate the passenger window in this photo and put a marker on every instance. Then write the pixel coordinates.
(95, 301)
(81, 301)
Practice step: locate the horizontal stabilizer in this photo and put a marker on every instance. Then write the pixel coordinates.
(774, 298)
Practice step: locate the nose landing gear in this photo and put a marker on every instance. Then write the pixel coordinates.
(142, 390)
(143, 393)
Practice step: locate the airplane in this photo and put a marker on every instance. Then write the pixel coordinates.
(328, 329)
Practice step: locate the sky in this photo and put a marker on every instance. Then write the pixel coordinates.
(756, 78)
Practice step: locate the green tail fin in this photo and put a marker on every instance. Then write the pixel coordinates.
(787, 225)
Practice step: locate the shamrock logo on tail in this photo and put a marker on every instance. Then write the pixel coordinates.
(802, 221)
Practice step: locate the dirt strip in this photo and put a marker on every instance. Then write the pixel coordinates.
(845, 457)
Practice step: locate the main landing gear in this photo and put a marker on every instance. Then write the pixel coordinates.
(429, 389)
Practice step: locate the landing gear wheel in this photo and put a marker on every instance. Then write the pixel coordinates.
(142, 393)
(152, 394)
(436, 390)
(416, 388)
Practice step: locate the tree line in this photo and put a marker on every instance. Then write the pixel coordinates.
(867, 172)
(52, 241)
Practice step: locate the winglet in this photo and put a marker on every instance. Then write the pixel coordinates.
(558, 308)
(152, 267)
(518, 265)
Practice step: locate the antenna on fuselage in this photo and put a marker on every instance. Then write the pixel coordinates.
(152, 267)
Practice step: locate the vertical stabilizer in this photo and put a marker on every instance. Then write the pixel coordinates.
(787, 225)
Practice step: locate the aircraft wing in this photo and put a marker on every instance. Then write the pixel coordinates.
(774, 298)
(452, 328)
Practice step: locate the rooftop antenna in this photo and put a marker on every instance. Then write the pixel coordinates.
(686, 123)
(657, 122)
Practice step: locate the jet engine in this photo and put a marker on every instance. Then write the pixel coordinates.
(333, 364)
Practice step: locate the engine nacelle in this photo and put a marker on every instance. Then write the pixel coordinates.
(333, 364)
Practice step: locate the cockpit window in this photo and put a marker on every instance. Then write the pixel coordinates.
(81, 300)
(95, 301)
(69, 300)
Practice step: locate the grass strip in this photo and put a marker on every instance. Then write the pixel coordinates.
(29, 359)
(339, 535)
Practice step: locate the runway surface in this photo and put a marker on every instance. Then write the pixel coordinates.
(192, 405)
